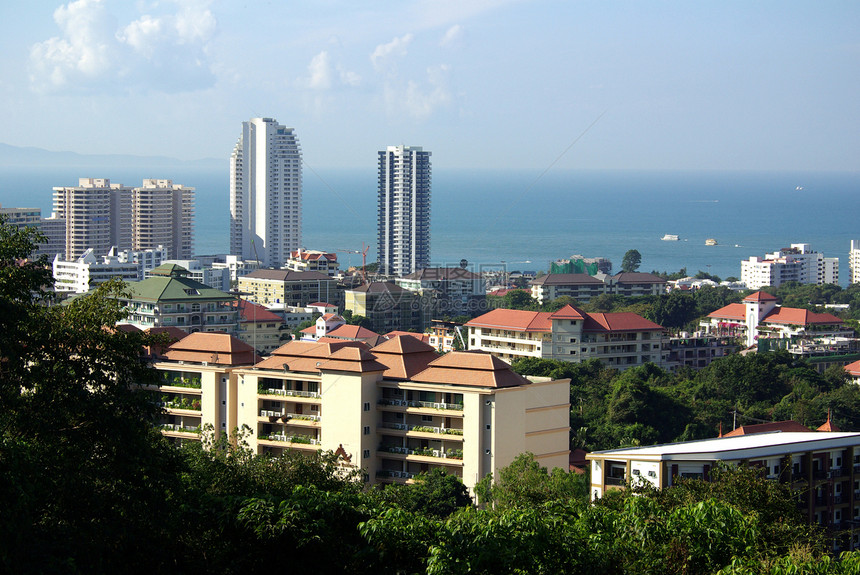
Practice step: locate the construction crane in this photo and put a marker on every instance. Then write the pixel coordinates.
(363, 253)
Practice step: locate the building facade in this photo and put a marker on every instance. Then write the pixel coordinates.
(266, 193)
(163, 215)
(457, 291)
(97, 215)
(403, 229)
(619, 340)
(797, 263)
(823, 467)
(584, 287)
(88, 271)
(389, 307)
(399, 409)
(854, 261)
(313, 261)
(289, 288)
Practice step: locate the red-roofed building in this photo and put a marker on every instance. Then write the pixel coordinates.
(259, 327)
(853, 370)
(619, 340)
(400, 409)
(313, 261)
(759, 317)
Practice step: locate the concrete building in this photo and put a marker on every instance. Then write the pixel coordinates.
(457, 291)
(823, 467)
(97, 214)
(584, 287)
(619, 340)
(758, 318)
(163, 215)
(389, 307)
(399, 409)
(218, 278)
(260, 328)
(169, 298)
(197, 386)
(289, 288)
(88, 271)
(22, 217)
(403, 230)
(797, 263)
(265, 193)
(313, 261)
(54, 230)
(854, 261)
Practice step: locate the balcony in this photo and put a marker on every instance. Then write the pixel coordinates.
(180, 430)
(421, 404)
(419, 430)
(294, 441)
(455, 454)
(290, 393)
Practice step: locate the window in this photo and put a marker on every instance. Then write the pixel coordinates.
(489, 426)
(366, 406)
(427, 418)
(367, 430)
(366, 454)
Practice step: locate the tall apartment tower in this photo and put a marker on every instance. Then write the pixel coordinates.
(163, 215)
(403, 231)
(266, 193)
(97, 215)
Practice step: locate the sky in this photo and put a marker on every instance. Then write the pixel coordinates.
(543, 84)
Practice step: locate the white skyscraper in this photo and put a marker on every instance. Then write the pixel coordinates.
(265, 193)
(403, 232)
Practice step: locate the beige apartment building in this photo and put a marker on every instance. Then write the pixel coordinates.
(289, 288)
(163, 215)
(619, 340)
(400, 409)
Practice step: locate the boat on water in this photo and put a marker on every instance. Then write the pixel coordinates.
(670, 238)
(710, 242)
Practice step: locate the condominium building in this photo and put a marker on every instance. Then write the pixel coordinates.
(97, 215)
(399, 409)
(260, 328)
(403, 230)
(584, 287)
(218, 278)
(53, 228)
(822, 466)
(797, 263)
(169, 298)
(265, 193)
(389, 307)
(289, 288)
(163, 215)
(456, 291)
(313, 261)
(619, 340)
(854, 261)
(22, 217)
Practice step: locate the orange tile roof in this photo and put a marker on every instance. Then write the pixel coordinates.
(514, 319)
(425, 337)
(767, 427)
(568, 312)
(305, 356)
(797, 316)
(254, 312)
(471, 368)
(352, 359)
(347, 331)
(760, 296)
(853, 368)
(404, 356)
(622, 321)
(217, 348)
(736, 311)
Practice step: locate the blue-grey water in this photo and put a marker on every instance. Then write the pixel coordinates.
(515, 217)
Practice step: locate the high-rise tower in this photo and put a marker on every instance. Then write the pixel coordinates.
(403, 232)
(97, 215)
(265, 193)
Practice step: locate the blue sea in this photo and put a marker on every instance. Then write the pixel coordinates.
(522, 220)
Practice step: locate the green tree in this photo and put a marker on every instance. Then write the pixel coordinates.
(434, 493)
(631, 261)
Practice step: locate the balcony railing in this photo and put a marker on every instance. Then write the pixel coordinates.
(303, 439)
(395, 474)
(425, 452)
(176, 427)
(421, 428)
(290, 393)
(425, 404)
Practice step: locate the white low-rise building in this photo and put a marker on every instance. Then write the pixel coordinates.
(218, 278)
(854, 261)
(88, 271)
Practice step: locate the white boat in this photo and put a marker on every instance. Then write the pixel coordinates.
(670, 238)
(710, 242)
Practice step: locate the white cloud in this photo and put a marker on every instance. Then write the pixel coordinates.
(320, 72)
(348, 77)
(452, 37)
(164, 51)
(421, 101)
(84, 51)
(386, 52)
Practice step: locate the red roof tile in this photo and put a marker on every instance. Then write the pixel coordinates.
(767, 427)
(568, 312)
(471, 368)
(853, 368)
(736, 311)
(760, 296)
(216, 348)
(425, 337)
(347, 331)
(514, 319)
(797, 316)
(623, 321)
(352, 359)
(404, 356)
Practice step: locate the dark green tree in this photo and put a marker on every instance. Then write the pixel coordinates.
(631, 261)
